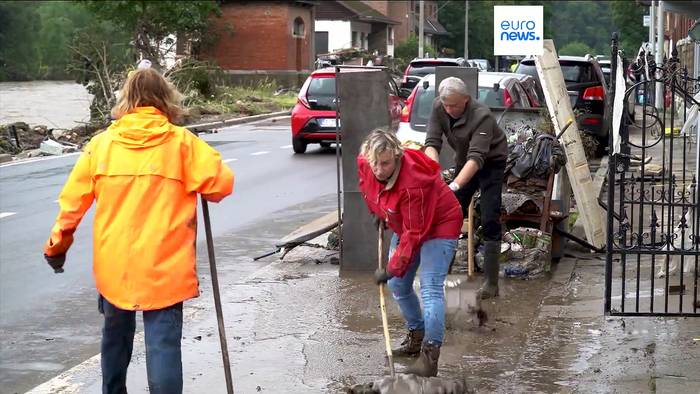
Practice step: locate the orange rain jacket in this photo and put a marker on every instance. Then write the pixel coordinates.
(144, 174)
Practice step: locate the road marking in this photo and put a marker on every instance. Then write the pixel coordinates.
(264, 152)
(16, 163)
(229, 160)
(6, 214)
(285, 147)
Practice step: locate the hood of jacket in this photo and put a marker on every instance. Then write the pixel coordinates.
(141, 127)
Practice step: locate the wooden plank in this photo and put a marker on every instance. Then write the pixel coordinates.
(311, 230)
(560, 112)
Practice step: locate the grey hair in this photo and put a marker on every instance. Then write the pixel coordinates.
(451, 86)
(379, 141)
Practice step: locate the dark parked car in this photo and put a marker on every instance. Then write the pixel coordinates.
(420, 67)
(529, 84)
(586, 86)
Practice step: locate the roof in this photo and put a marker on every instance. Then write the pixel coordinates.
(354, 9)
(438, 59)
(431, 26)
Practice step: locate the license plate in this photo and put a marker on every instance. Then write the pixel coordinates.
(328, 123)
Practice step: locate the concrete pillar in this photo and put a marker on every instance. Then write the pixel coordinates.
(363, 106)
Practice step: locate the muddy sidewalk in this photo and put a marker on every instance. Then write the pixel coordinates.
(297, 326)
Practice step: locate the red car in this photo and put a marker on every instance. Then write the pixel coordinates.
(313, 116)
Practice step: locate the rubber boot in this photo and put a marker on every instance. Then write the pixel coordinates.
(427, 363)
(411, 345)
(492, 254)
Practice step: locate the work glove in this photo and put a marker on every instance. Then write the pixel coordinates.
(381, 275)
(56, 262)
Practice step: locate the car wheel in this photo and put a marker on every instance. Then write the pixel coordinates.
(298, 145)
(325, 144)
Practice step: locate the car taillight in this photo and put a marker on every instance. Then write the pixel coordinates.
(506, 98)
(590, 121)
(406, 111)
(405, 75)
(594, 93)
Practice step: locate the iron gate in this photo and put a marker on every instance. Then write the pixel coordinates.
(653, 223)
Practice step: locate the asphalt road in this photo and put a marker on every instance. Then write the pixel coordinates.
(37, 305)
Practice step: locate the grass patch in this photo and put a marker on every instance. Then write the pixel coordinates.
(263, 97)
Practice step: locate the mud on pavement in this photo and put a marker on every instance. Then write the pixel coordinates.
(297, 326)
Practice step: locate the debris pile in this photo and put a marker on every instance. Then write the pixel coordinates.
(24, 141)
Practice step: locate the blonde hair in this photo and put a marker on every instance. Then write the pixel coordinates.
(379, 141)
(147, 87)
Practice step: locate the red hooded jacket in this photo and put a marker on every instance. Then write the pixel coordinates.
(415, 203)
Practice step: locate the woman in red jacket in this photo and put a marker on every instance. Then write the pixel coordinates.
(404, 190)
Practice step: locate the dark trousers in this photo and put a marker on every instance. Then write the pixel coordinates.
(163, 329)
(489, 179)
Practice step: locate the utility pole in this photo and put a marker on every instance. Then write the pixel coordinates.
(652, 23)
(421, 27)
(466, 29)
(660, 54)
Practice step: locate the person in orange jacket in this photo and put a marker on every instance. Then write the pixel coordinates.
(144, 174)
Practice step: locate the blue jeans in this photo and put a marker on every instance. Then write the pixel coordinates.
(434, 260)
(163, 329)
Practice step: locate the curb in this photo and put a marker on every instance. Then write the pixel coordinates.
(236, 121)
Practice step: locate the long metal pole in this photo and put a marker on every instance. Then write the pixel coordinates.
(217, 297)
(466, 29)
(421, 28)
(652, 24)
(660, 54)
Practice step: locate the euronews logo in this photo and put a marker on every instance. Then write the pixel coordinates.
(517, 30)
(520, 30)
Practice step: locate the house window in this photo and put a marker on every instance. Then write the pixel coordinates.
(298, 27)
(355, 40)
(390, 35)
(363, 42)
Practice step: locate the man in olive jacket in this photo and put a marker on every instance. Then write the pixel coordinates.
(481, 151)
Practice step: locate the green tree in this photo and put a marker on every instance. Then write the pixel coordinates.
(151, 22)
(627, 16)
(60, 20)
(19, 52)
(451, 15)
(575, 48)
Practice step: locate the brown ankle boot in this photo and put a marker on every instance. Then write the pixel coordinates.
(427, 363)
(410, 346)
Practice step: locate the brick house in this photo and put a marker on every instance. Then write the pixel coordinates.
(373, 25)
(275, 36)
(352, 24)
(407, 14)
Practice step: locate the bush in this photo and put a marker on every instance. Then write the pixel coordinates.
(195, 77)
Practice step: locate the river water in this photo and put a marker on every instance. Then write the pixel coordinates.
(56, 104)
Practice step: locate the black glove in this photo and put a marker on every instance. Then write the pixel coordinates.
(56, 262)
(381, 276)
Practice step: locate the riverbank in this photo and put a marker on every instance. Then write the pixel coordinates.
(22, 139)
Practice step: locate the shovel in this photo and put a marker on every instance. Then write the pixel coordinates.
(217, 296)
(382, 303)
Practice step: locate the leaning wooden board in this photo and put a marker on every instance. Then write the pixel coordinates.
(310, 230)
(577, 169)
